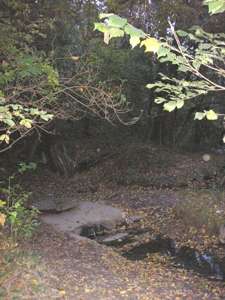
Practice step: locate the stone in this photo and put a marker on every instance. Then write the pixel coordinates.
(93, 231)
(53, 204)
(86, 214)
(115, 239)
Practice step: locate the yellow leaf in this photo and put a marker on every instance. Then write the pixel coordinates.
(151, 45)
(75, 58)
(134, 41)
(26, 122)
(34, 281)
(2, 219)
(62, 292)
(211, 115)
(4, 137)
(106, 37)
(2, 203)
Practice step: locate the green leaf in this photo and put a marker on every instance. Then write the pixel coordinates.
(116, 21)
(12, 217)
(34, 112)
(180, 103)
(163, 51)
(199, 116)
(182, 33)
(103, 16)
(215, 6)
(159, 100)
(115, 32)
(170, 106)
(134, 32)
(9, 122)
(4, 109)
(16, 106)
(46, 117)
(205, 46)
(2, 203)
(112, 33)
(151, 85)
(197, 64)
(183, 68)
(5, 138)
(113, 20)
(211, 115)
(101, 27)
(26, 123)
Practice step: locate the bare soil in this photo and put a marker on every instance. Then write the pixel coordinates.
(54, 265)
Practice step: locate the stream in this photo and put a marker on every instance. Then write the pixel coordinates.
(204, 263)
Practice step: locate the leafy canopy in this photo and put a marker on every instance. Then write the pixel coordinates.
(197, 55)
(28, 80)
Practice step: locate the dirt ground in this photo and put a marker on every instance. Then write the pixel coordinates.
(55, 266)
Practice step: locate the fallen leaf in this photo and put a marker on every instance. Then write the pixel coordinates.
(2, 219)
(62, 292)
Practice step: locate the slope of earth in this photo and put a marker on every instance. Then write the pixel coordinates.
(143, 166)
(144, 181)
(66, 268)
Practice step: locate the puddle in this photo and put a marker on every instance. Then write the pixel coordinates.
(205, 264)
(159, 244)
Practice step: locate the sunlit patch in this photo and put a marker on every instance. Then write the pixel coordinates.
(206, 157)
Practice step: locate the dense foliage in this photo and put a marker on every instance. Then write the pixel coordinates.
(200, 55)
(53, 66)
(45, 71)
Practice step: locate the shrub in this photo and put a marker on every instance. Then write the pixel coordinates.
(15, 217)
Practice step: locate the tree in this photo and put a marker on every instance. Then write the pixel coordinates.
(45, 73)
(198, 56)
(27, 79)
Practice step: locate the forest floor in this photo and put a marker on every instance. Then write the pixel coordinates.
(165, 189)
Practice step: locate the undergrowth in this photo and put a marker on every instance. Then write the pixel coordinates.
(15, 218)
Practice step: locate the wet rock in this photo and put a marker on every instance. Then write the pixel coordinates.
(86, 214)
(139, 231)
(93, 231)
(116, 239)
